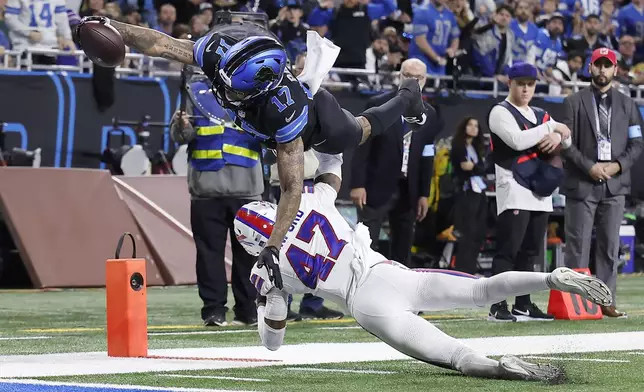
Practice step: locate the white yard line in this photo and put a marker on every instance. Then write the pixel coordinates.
(110, 386)
(308, 369)
(215, 377)
(340, 328)
(577, 359)
(233, 331)
(299, 354)
(27, 338)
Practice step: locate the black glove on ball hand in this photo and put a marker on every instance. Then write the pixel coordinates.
(269, 258)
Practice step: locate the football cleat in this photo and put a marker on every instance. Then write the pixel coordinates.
(415, 112)
(591, 288)
(513, 368)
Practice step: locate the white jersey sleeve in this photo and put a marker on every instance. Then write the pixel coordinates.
(325, 194)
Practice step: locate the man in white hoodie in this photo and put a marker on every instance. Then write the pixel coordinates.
(566, 71)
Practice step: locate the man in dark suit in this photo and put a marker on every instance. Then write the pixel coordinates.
(606, 142)
(391, 174)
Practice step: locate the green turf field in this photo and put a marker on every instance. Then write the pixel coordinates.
(70, 321)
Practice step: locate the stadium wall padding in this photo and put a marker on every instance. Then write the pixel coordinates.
(58, 112)
(66, 223)
(161, 206)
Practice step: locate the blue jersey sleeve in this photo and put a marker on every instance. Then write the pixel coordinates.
(200, 48)
(294, 128)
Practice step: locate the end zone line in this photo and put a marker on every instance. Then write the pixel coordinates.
(26, 381)
(577, 359)
(225, 359)
(202, 332)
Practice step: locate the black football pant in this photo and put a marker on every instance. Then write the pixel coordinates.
(211, 220)
(520, 237)
(337, 130)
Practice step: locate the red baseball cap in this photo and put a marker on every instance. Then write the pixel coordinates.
(604, 53)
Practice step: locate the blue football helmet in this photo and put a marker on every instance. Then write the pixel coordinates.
(248, 69)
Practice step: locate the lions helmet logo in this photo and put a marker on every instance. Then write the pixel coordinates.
(265, 75)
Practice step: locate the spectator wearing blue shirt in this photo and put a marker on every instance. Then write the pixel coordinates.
(349, 27)
(548, 46)
(436, 36)
(148, 12)
(492, 49)
(321, 16)
(524, 30)
(631, 22)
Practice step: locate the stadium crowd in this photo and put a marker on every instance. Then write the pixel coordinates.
(477, 37)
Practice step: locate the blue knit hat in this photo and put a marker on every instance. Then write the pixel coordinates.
(522, 70)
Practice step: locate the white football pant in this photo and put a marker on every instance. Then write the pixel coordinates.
(388, 301)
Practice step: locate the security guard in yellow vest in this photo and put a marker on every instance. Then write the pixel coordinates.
(224, 174)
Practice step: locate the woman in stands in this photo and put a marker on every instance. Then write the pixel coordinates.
(468, 158)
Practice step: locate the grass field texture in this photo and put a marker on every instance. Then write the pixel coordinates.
(73, 321)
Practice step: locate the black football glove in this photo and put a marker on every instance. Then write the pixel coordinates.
(76, 31)
(269, 257)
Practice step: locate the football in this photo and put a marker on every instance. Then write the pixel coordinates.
(102, 44)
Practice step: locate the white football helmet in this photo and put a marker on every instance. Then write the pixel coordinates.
(254, 225)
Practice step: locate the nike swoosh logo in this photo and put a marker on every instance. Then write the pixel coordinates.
(209, 46)
(526, 313)
(289, 118)
(317, 144)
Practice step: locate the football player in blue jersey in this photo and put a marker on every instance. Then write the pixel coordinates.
(247, 67)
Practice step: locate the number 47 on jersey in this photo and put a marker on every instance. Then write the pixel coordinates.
(313, 267)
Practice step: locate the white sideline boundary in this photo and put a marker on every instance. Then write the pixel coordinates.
(112, 386)
(70, 364)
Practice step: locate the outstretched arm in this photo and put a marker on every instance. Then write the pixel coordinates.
(290, 167)
(155, 43)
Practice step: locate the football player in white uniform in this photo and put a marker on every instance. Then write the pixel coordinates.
(323, 255)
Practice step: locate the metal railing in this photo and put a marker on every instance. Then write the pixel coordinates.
(137, 64)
